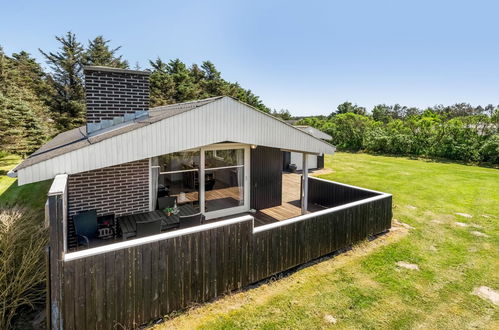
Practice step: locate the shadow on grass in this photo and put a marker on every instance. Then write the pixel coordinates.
(32, 195)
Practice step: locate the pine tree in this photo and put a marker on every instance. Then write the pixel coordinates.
(98, 52)
(66, 64)
(25, 121)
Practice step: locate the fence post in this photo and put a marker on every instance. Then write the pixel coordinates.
(56, 218)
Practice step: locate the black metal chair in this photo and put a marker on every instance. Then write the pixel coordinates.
(166, 201)
(191, 220)
(86, 227)
(148, 228)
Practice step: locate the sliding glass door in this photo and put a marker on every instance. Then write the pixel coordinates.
(226, 179)
(225, 169)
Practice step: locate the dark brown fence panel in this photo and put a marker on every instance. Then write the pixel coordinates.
(284, 247)
(330, 194)
(131, 286)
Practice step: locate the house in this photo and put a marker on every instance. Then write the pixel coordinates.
(295, 159)
(118, 256)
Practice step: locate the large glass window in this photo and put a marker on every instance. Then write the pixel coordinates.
(179, 161)
(224, 185)
(223, 158)
(179, 176)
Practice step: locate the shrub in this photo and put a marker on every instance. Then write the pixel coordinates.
(348, 130)
(22, 262)
(489, 152)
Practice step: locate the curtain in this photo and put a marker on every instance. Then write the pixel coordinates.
(154, 181)
(240, 174)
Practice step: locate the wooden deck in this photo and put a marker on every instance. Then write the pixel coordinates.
(290, 207)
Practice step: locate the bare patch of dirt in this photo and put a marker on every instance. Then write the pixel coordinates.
(465, 215)
(407, 265)
(402, 224)
(330, 319)
(488, 294)
(478, 234)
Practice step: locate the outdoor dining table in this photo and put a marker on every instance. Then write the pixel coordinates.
(128, 223)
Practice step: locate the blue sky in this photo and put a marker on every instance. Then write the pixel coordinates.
(306, 56)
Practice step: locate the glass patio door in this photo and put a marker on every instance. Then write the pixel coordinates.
(226, 188)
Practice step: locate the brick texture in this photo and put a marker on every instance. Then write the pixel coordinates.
(121, 189)
(114, 94)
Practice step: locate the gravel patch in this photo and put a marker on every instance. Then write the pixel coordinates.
(487, 293)
(407, 265)
(478, 234)
(466, 215)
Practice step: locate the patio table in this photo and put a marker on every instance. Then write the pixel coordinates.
(128, 223)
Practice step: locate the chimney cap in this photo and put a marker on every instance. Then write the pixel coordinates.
(88, 68)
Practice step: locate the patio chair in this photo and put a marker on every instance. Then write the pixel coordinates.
(191, 220)
(86, 227)
(148, 228)
(166, 201)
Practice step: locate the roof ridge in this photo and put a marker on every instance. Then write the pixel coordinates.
(161, 107)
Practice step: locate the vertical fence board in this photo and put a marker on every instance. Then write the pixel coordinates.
(129, 287)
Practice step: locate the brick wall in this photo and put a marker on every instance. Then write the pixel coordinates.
(111, 93)
(121, 189)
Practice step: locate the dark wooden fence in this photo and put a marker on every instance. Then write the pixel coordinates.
(127, 287)
(330, 194)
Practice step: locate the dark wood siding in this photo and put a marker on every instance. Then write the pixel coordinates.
(286, 160)
(320, 161)
(266, 177)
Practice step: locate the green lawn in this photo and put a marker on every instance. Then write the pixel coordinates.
(31, 195)
(364, 288)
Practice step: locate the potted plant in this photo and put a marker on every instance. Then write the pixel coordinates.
(168, 211)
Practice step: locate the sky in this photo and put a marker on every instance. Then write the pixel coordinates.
(304, 56)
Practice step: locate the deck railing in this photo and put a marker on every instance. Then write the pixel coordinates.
(129, 283)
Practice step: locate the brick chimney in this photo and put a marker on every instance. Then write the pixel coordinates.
(114, 96)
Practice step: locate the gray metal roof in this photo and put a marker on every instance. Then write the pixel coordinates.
(314, 132)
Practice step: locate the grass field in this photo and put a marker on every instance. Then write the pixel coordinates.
(31, 195)
(364, 288)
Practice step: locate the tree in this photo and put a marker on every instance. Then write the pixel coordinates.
(173, 82)
(66, 64)
(98, 52)
(283, 114)
(381, 112)
(348, 107)
(25, 121)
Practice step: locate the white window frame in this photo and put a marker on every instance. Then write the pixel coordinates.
(246, 204)
(202, 170)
